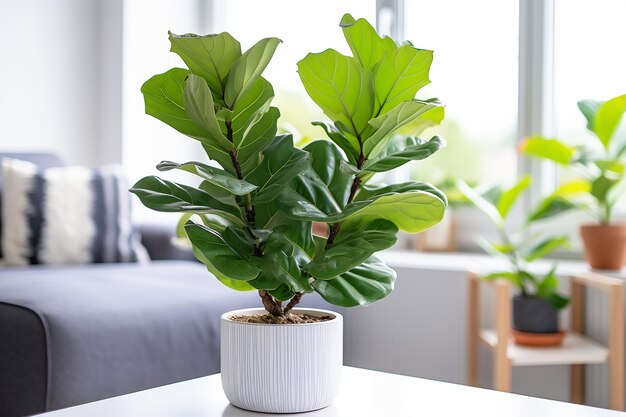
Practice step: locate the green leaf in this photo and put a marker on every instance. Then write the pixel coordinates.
(350, 148)
(163, 97)
(280, 165)
(162, 195)
(549, 207)
(481, 203)
(545, 247)
(389, 122)
(589, 109)
(510, 196)
(370, 192)
(250, 109)
(608, 118)
(341, 87)
(550, 149)
(362, 285)
(212, 175)
(572, 188)
(494, 249)
(601, 186)
(549, 283)
(256, 139)
(234, 284)
(332, 170)
(400, 150)
(366, 45)
(352, 247)
(247, 69)
(412, 212)
(400, 75)
(209, 56)
(214, 248)
(507, 275)
(558, 301)
(200, 108)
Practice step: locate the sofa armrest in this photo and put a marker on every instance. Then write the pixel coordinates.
(158, 241)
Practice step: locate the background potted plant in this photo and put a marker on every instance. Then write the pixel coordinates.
(250, 219)
(536, 306)
(602, 165)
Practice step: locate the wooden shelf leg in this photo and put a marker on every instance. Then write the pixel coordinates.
(472, 331)
(502, 363)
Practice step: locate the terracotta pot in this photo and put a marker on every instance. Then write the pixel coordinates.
(605, 245)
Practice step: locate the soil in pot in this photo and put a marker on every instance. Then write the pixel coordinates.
(289, 318)
(605, 245)
(533, 318)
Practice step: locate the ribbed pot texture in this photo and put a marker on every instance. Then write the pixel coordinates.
(281, 368)
(605, 245)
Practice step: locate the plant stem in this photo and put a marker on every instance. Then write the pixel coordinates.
(275, 308)
(292, 303)
(354, 188)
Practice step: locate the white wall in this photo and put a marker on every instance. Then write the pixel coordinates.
(52, 76)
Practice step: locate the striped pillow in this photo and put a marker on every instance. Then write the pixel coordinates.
(70, 215)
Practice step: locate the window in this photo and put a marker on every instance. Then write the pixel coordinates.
(589, 64)
(474, 73)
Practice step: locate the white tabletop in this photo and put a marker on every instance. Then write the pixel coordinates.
(363, 393)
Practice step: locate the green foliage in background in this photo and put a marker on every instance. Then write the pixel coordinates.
(521, 252)
(602, 165)
(250, 219)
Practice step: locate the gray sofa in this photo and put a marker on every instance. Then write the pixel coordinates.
(75, 334)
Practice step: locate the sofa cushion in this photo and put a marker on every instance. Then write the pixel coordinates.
(66, 215)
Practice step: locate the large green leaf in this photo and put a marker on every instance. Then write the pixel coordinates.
(163, 97)
(366, 45)
(209, 56)
(212, 175)
(281, 163)
(219, 253)
(250, 109)
(490, 210)
(234, 284)
(550, 149)
(551, 206)
(384, 125)
(362, 285)
(352, 247)
(370, 192)
(545, 247)
(247, 69)
(412, 212)
(257, 137)
(510, 196)
(399, 150)
(200, 108)
(330, 167)
(400, 75)
(167, 196)
(589, 109)
(348, 144)
(601, 186)
(608, 118)
(341, 87)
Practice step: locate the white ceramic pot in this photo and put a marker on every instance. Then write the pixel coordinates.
(281, 368)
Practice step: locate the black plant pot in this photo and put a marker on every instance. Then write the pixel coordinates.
(534, 315)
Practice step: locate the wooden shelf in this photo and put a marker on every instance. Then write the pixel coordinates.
(576, 349)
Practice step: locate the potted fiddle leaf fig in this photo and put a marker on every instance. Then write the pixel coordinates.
(250, 219)
(603, 166)
(536, 305)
